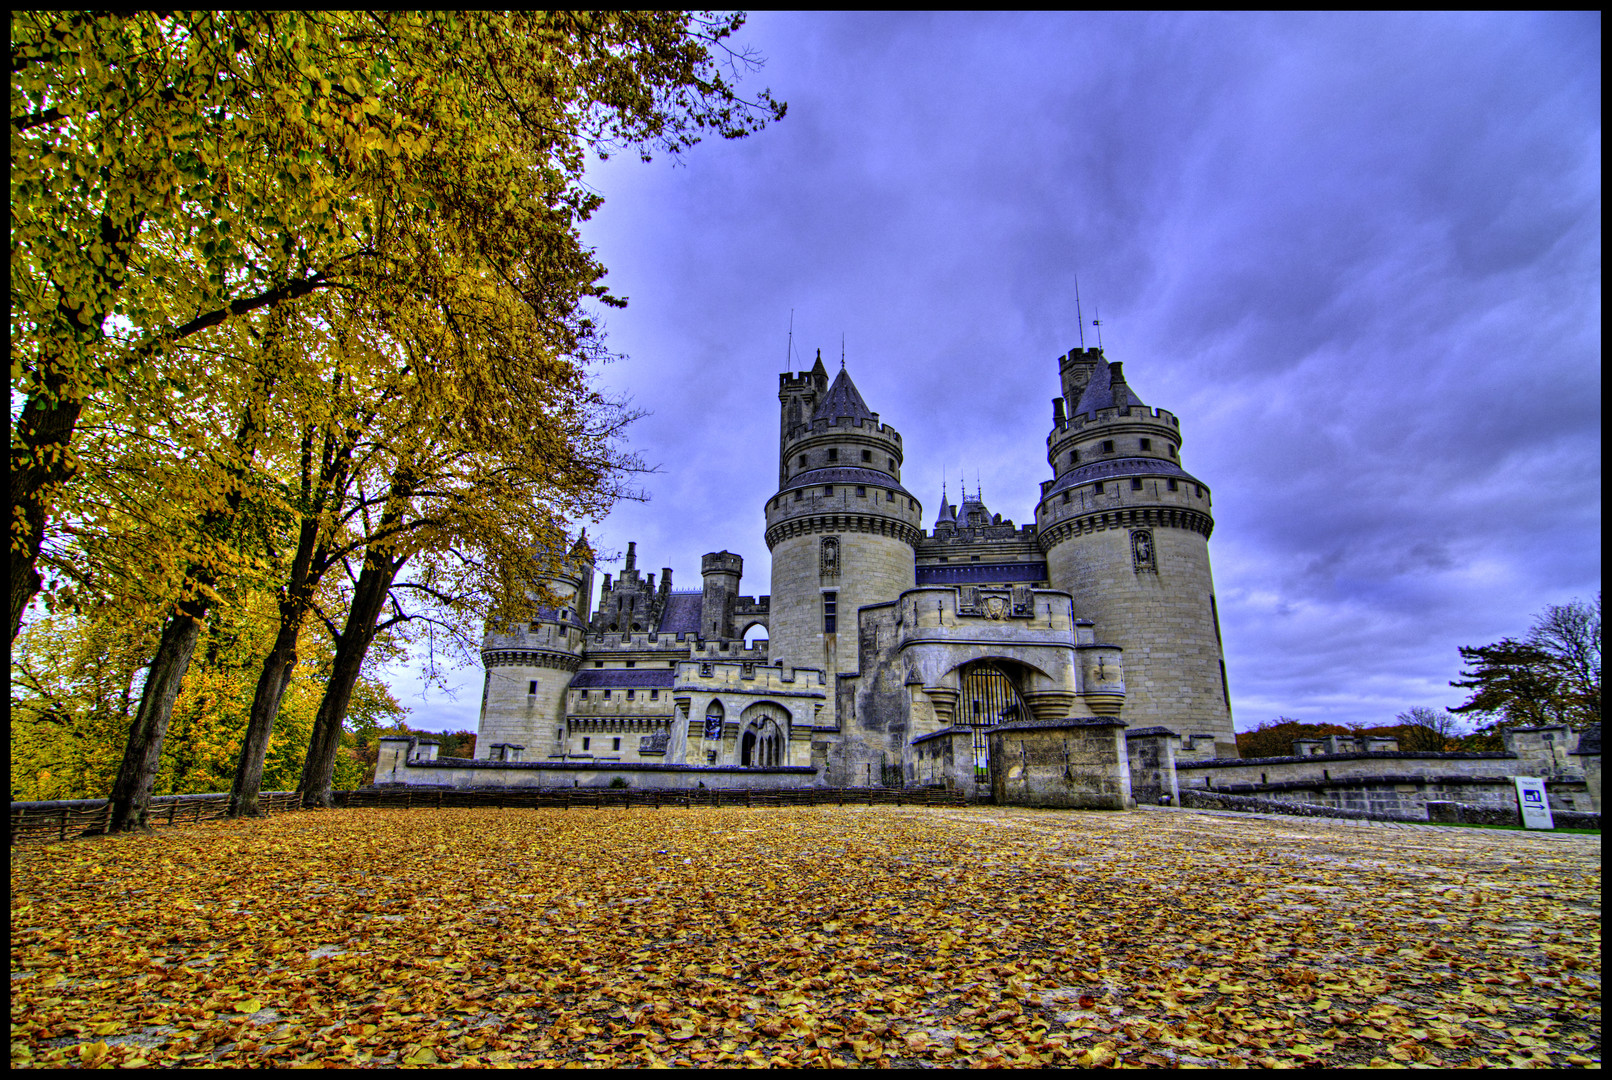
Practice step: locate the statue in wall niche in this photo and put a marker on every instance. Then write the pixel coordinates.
(830, 557)
(968, 600)
(1022, 600)
(1142, 555)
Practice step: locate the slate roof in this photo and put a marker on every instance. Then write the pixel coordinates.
(842, 400)
(1102, 392)
(947, 514)
(1120, 468)
(635, 678)
(843, 475)
(682, 614)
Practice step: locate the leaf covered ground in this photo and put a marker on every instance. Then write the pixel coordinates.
(813, 936)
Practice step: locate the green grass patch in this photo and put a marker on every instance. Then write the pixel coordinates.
(1511, 828)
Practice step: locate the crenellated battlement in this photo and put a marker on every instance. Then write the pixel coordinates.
(1114, 418)
(844, 425)
(710, 676)
(600, 645)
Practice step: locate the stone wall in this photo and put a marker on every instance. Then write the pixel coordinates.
(465, 773)
(1072, 764)
(1152, 761)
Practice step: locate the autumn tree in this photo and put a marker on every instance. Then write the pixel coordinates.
(156, 156)
(1274, 738)
(1429, 730)
(172, 173)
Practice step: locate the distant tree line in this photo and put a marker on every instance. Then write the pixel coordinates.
(1552, 675)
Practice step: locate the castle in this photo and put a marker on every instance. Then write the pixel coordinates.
(894, 653)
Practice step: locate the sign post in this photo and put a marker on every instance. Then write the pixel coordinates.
(1535, 807)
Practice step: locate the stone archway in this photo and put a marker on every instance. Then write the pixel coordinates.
(990, 694)
(764, 736)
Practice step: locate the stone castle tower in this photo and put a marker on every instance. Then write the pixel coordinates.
(528, 668)
(1126, 532)
(841, 527)
(896, 656)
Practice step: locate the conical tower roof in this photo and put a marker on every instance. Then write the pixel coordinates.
(842, 400)
(947, 515)
(582, 550)
(1106, 390)
(1099, 393)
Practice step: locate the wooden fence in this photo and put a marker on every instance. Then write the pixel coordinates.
(51, 821)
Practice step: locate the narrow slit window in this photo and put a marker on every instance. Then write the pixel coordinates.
(531, 687)
(830, 603)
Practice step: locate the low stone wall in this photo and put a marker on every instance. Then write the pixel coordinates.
(1462, 814)
(468, 773)
(1076, 764)
(1199, 799)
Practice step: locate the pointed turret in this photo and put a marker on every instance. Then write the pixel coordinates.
(581, 550)
(947, 518)
(842, 400)
(819, 372)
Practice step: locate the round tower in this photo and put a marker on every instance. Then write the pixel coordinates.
(721, 571)
(527, 668)
(1126, 532)
(841, 527)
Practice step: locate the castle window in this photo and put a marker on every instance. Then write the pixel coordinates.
(1147, 444)
(630, 663)
(833, 455)
(1098, 487)
(598, 663)
(892, 464)
(1198, 491)
(615, 744)
(671, 663)
(1074, 456)
(889, 496)
(973, 558)
(861, 492)
(909, 504)
(559, 733)
(1108, 446)
(867, 455)
(584, 695)
(531, 687)
(803, 461)
(944, 558)
(585, 743)
(654, 695)
(607, 695)
(1136, 485)
(798, 494)
(829, 604)
(1171, 484)
(631, 694)
(1171, 448)
(828, 489)
(1066, 496)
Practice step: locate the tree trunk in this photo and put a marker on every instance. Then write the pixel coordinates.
(131, 795)
(271, 685)
(369, 596)
(40, 465)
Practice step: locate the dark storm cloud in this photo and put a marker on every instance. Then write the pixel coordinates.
(1358, 255)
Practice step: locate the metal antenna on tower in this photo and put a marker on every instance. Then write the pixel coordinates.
(842, 350)
(1080, 320)
(789, 349)
(1098, 323)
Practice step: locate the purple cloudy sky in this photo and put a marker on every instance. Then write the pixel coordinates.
(1358, 255)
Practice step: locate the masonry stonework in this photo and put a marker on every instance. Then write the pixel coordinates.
(895, 655)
